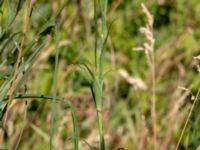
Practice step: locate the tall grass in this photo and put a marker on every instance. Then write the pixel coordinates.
(19, 56)
(134, 123)
(148, 48)
(195, 99)
(55, 79)
(53, 99)
(96, 75)
(19, 74)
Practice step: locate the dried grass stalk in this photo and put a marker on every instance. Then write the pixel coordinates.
(148, 48)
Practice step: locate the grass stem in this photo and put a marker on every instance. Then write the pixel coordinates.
(187, 120)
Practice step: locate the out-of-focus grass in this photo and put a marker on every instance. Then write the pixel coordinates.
(126, 112)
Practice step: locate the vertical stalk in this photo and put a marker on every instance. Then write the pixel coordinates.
(97, 76)
(103, 8)
(154, 100)
(187, 120)
(55, 79)
(101, 131)
(19, 56)
(149, 51)
(75, 126)
(96, 30)
(97, 90)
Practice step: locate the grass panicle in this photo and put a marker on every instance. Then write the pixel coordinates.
(148, 48)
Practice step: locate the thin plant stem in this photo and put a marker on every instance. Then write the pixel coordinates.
(154, 101)
(96, 82)
(22, 130)
(188, 118)
(55, 79)
(97, 95)
(18, 61)
(148, 47)
(103, 8)
(96, 34)
(61, 99)
(101, 130)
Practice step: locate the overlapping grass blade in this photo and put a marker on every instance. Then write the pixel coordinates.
(58, 99)
(55, 78)
(8, 41)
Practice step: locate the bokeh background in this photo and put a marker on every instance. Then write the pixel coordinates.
(127, 85)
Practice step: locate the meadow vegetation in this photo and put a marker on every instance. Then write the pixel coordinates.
(100, 74)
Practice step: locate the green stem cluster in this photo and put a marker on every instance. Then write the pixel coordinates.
(97, 76)
(59, 99)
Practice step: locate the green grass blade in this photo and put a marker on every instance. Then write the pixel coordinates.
(8, 41)
(19, 6)
(59, 99)
(102, 52)
(75, 125)
(55, 78)
(30, 61)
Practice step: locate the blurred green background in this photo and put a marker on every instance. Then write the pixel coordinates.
(127, 106)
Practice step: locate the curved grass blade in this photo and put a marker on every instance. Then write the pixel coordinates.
(102, 52)
(87, 68)
(30, 61)
(19, 6)
(47, 28)
(59, 99)
(8, 41)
